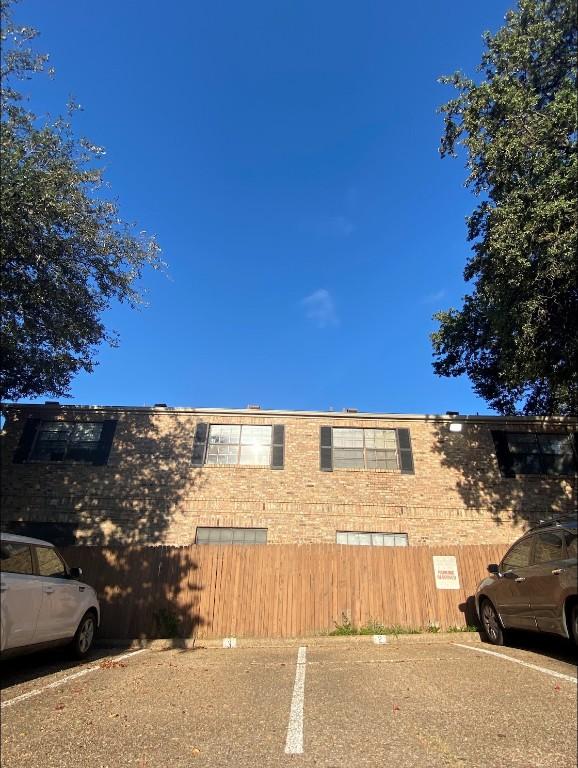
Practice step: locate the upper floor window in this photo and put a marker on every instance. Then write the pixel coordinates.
(358, 448)
(64, 440)
(88, 442)
(239, 445)
(535, 453)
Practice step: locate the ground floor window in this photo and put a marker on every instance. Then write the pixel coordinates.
(361, 538)
(218, 535)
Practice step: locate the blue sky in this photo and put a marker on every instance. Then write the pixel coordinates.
(285, 156)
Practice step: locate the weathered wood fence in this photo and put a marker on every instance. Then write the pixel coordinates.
(274, 590)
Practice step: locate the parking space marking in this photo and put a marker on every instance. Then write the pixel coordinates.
(294, 743)
(66, 679)
(551, 672)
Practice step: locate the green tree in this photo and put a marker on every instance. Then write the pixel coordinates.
(66, 254)
(516, 335)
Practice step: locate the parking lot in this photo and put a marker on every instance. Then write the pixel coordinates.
(406, 704)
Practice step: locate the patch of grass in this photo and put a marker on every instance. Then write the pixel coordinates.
(468, 628)
(345, 628)
(433, 627)
(372, 627)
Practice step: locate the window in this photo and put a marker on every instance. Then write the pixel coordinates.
(249, 445)
(66, 441)
(535, 453)
(519, 555)
(49, 563)
(231, 536)
(235, 444)
(357, 448)
(549, 546)
(15, 558)
(359, 538)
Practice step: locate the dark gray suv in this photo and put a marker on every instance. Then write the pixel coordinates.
(535, 587)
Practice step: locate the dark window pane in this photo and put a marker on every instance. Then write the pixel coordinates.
(529, 464)
(548, 547)
(559, 465)
(15, 558)
(523, 442)
(518, 556)
(49, 564)
(558, 444)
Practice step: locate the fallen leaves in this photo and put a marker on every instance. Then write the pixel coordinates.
(110, 664)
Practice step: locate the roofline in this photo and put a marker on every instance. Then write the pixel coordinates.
(304, 414)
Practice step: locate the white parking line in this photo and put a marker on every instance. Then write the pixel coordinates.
(551, 672)
(68, 678)
(294, 743)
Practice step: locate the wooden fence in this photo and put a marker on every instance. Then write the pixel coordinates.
(274, 590)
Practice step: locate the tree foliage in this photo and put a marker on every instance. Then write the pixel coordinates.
(516, 335)
(66, 254)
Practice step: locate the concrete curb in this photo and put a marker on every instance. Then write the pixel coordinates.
(320, 640)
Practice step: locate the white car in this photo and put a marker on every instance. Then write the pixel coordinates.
(42, 602)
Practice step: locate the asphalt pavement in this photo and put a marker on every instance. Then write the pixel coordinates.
(416, 704)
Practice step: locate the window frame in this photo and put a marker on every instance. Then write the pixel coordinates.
(532, 539)
(33, 572)
(371, 544)
(560, 534)
(507, 463)
(69, 442)
(231, 528)
(239, 446)
(365, 450)
(34, 547)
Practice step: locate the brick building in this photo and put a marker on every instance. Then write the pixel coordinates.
(159, 475)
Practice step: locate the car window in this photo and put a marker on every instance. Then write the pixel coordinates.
(549, 546)
(49, 564)
(519, 555)
(15, 558)
(571, 544)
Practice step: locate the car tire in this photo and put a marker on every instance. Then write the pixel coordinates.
(493, 630)
(574, 624)
(84, 636)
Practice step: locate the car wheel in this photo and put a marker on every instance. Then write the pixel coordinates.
(574, 624)
(84, 636)
(491, 624)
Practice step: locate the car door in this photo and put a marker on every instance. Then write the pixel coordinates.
(20, 595)
(58, 616)
(512, 594)
(544, 580)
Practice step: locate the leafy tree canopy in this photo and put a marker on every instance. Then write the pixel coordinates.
(66, 254)
(516, 335)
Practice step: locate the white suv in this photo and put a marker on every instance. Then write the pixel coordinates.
(41, 600)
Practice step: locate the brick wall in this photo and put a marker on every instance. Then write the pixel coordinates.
(149, 492)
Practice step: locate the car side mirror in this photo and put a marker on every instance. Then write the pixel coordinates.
(494, 568)
(75, 573)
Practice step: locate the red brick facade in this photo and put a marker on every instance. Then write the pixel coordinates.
(149, 491)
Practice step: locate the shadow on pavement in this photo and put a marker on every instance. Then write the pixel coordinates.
(24, 669)
(550, 646)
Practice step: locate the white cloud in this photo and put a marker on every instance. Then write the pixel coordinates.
(320, 308)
